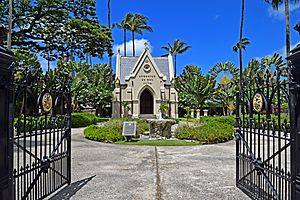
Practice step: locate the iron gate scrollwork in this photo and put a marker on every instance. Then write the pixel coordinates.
(42, 132)
(267, 132)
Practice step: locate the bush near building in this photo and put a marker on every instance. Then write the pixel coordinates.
(208, 130)
(112, 130)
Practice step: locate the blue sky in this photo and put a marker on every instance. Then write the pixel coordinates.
(210, 27)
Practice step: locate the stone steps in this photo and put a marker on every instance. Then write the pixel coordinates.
(147, 116)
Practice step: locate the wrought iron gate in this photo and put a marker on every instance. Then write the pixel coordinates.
(267, 133)
(42, 133)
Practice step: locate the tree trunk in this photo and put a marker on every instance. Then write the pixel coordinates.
(9, 33)
(224, 111)
(240, 44)
(175, 63)
(133, 47)
(108, 13)
(110, 56)
(287, 25)
(124, 41)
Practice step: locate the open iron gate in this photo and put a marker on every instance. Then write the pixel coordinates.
(35, 130)
(42, 136)
(267, 133)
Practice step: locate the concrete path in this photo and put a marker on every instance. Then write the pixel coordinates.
(107, 172)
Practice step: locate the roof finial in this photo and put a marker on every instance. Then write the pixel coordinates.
(146, 45)
(119, 51)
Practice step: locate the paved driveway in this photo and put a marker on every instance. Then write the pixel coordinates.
(106, 172)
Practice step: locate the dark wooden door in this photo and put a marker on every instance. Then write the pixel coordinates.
(146, 102)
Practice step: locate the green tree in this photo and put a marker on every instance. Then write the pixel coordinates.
(57, 27)
(124, 25)
(245, 43)
(178, 47)
(240, 46)
(275, 5)
(137, 24)
(100, 90)
(225, 94)
(193, 87)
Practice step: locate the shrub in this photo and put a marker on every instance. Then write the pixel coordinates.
(211, 130)
(117, 124)
(83, 119)
(102, 134)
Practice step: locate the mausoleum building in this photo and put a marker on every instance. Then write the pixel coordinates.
(142, 84)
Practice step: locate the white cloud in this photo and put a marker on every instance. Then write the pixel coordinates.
(281, 52)
(280, 13)
(139, 47)
(217, 17)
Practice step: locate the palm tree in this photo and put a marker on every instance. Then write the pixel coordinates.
(245, 42)
(178, 47)
(137, 24)
(240, 46)
(125, 26)
(275, 5)
(9, 33)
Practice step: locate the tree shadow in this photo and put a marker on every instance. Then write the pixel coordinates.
(70, 190)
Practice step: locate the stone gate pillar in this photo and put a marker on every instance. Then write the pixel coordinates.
(294, 92)
(6, 125)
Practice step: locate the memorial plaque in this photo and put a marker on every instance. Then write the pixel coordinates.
(129, 129)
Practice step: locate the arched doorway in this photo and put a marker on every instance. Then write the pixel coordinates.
(146, 102)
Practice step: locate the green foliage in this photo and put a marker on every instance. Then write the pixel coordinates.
(91, 88)
(102, 134)
(178, 47)
(117, 124)
(244, 43)
(194, 87)
(83, 119)
(112, 130)
(137, 24)
(164, 107)
(59, 27)
(211, 130)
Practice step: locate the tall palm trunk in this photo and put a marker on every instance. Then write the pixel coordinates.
(175, 64)
(133, 47)
(9, 24)
(108, 13)
(240, 44)
(110, 56)
(287, 25)
(124, 41)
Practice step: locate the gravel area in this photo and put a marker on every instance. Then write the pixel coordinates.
(106, 172)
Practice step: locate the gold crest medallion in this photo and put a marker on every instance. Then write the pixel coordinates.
(258, 102)
(46, 102)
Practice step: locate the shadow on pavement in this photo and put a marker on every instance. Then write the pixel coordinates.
(70, 190)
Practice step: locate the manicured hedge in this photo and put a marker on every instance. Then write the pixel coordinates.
(78, 120)
(117, 124)
(83, 119)
(102, 134)
(112, 130)
(210, 130)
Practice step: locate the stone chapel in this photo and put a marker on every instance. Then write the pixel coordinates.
(142, 84)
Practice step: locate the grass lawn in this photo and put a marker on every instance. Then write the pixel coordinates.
(159, 142)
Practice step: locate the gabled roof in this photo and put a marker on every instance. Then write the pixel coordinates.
(127, 65)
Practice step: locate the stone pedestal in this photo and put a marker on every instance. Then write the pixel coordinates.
(205, 112)
(160, 128)
(198, 113)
